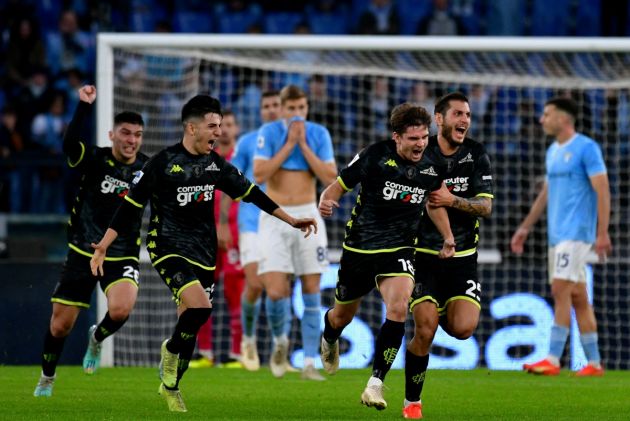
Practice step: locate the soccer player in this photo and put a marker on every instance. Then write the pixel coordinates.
(106, 176)
(180, 182)
(577, 193)
(396, 177)
(228, 266)
(291, 154)
(248, 245)
(448, 291)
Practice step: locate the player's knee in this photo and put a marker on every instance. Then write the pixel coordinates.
(275, 295)
(424, 334)
(397, 311)
(462, 332)
(120, 312)
(60, 328)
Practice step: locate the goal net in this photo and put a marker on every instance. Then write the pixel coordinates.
(352, 85)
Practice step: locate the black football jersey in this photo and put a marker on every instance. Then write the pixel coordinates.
(468, 174)
(104, 182)
(391, 200)
(181, 189)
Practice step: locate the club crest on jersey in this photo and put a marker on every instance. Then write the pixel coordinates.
(407, 194)
(194, 194)
(113, 185)
(410, 172)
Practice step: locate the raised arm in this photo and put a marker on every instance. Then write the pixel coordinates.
(73, 146)
(520, 235)
(603, 245)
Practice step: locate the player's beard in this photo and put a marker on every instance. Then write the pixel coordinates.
(447, 134)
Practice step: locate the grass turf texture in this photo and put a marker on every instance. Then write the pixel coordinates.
(234, 394)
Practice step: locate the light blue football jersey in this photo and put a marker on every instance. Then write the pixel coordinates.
(571, 200)
(273, 135)
(243, 159)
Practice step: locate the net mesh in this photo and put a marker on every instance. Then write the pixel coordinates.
(352, 92)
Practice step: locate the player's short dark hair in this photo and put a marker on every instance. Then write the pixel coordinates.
(443, 103)
(567, 105)
(290, 93)
(408, 114)
(200, 105)
(268, 94)
(128, 117)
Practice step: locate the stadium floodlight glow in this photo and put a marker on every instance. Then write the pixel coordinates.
(507, 80)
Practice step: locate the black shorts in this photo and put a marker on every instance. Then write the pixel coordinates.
(444, 280)
(179, 273)
(358, 272)
(77, 282)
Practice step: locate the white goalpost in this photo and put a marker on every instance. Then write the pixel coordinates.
(352, 83)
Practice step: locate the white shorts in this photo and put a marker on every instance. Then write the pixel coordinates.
(567, 261)
(248, 247)
(284, 248)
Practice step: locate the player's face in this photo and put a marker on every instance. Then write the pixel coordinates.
(411, 144)
(455, 123)
(295, 108)
(270, 108)
(205, 133)
(126, 141)
(229, 130)
(552, 120)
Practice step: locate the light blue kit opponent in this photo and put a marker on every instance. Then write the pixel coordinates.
(272, 136)
(243, 159)
(572, 201)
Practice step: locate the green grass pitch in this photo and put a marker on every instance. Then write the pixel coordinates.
(233, 394)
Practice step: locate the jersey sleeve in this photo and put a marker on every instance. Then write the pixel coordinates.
(356, 171)
(593, 159)
(143, 182)
(482, 176)
(73, 146)
(264, 144)
(233, 182)
(324, 146)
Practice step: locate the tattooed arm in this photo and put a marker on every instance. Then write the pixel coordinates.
(476, 206)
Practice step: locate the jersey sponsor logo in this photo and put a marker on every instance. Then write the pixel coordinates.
(429, 171)
(395, 191)
(457, 184)
(176, 168)
(194, 194)
(467, 158)
(391, 163)
(486, 177)
(212, 167)
(113, 185)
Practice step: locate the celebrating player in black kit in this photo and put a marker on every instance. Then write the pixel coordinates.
(106, 175)
(448, 291)
(182, 242)
(378, 250)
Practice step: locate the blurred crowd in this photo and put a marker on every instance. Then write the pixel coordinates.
(48, 51)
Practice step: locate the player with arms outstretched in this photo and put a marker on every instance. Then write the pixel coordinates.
(182, 241)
